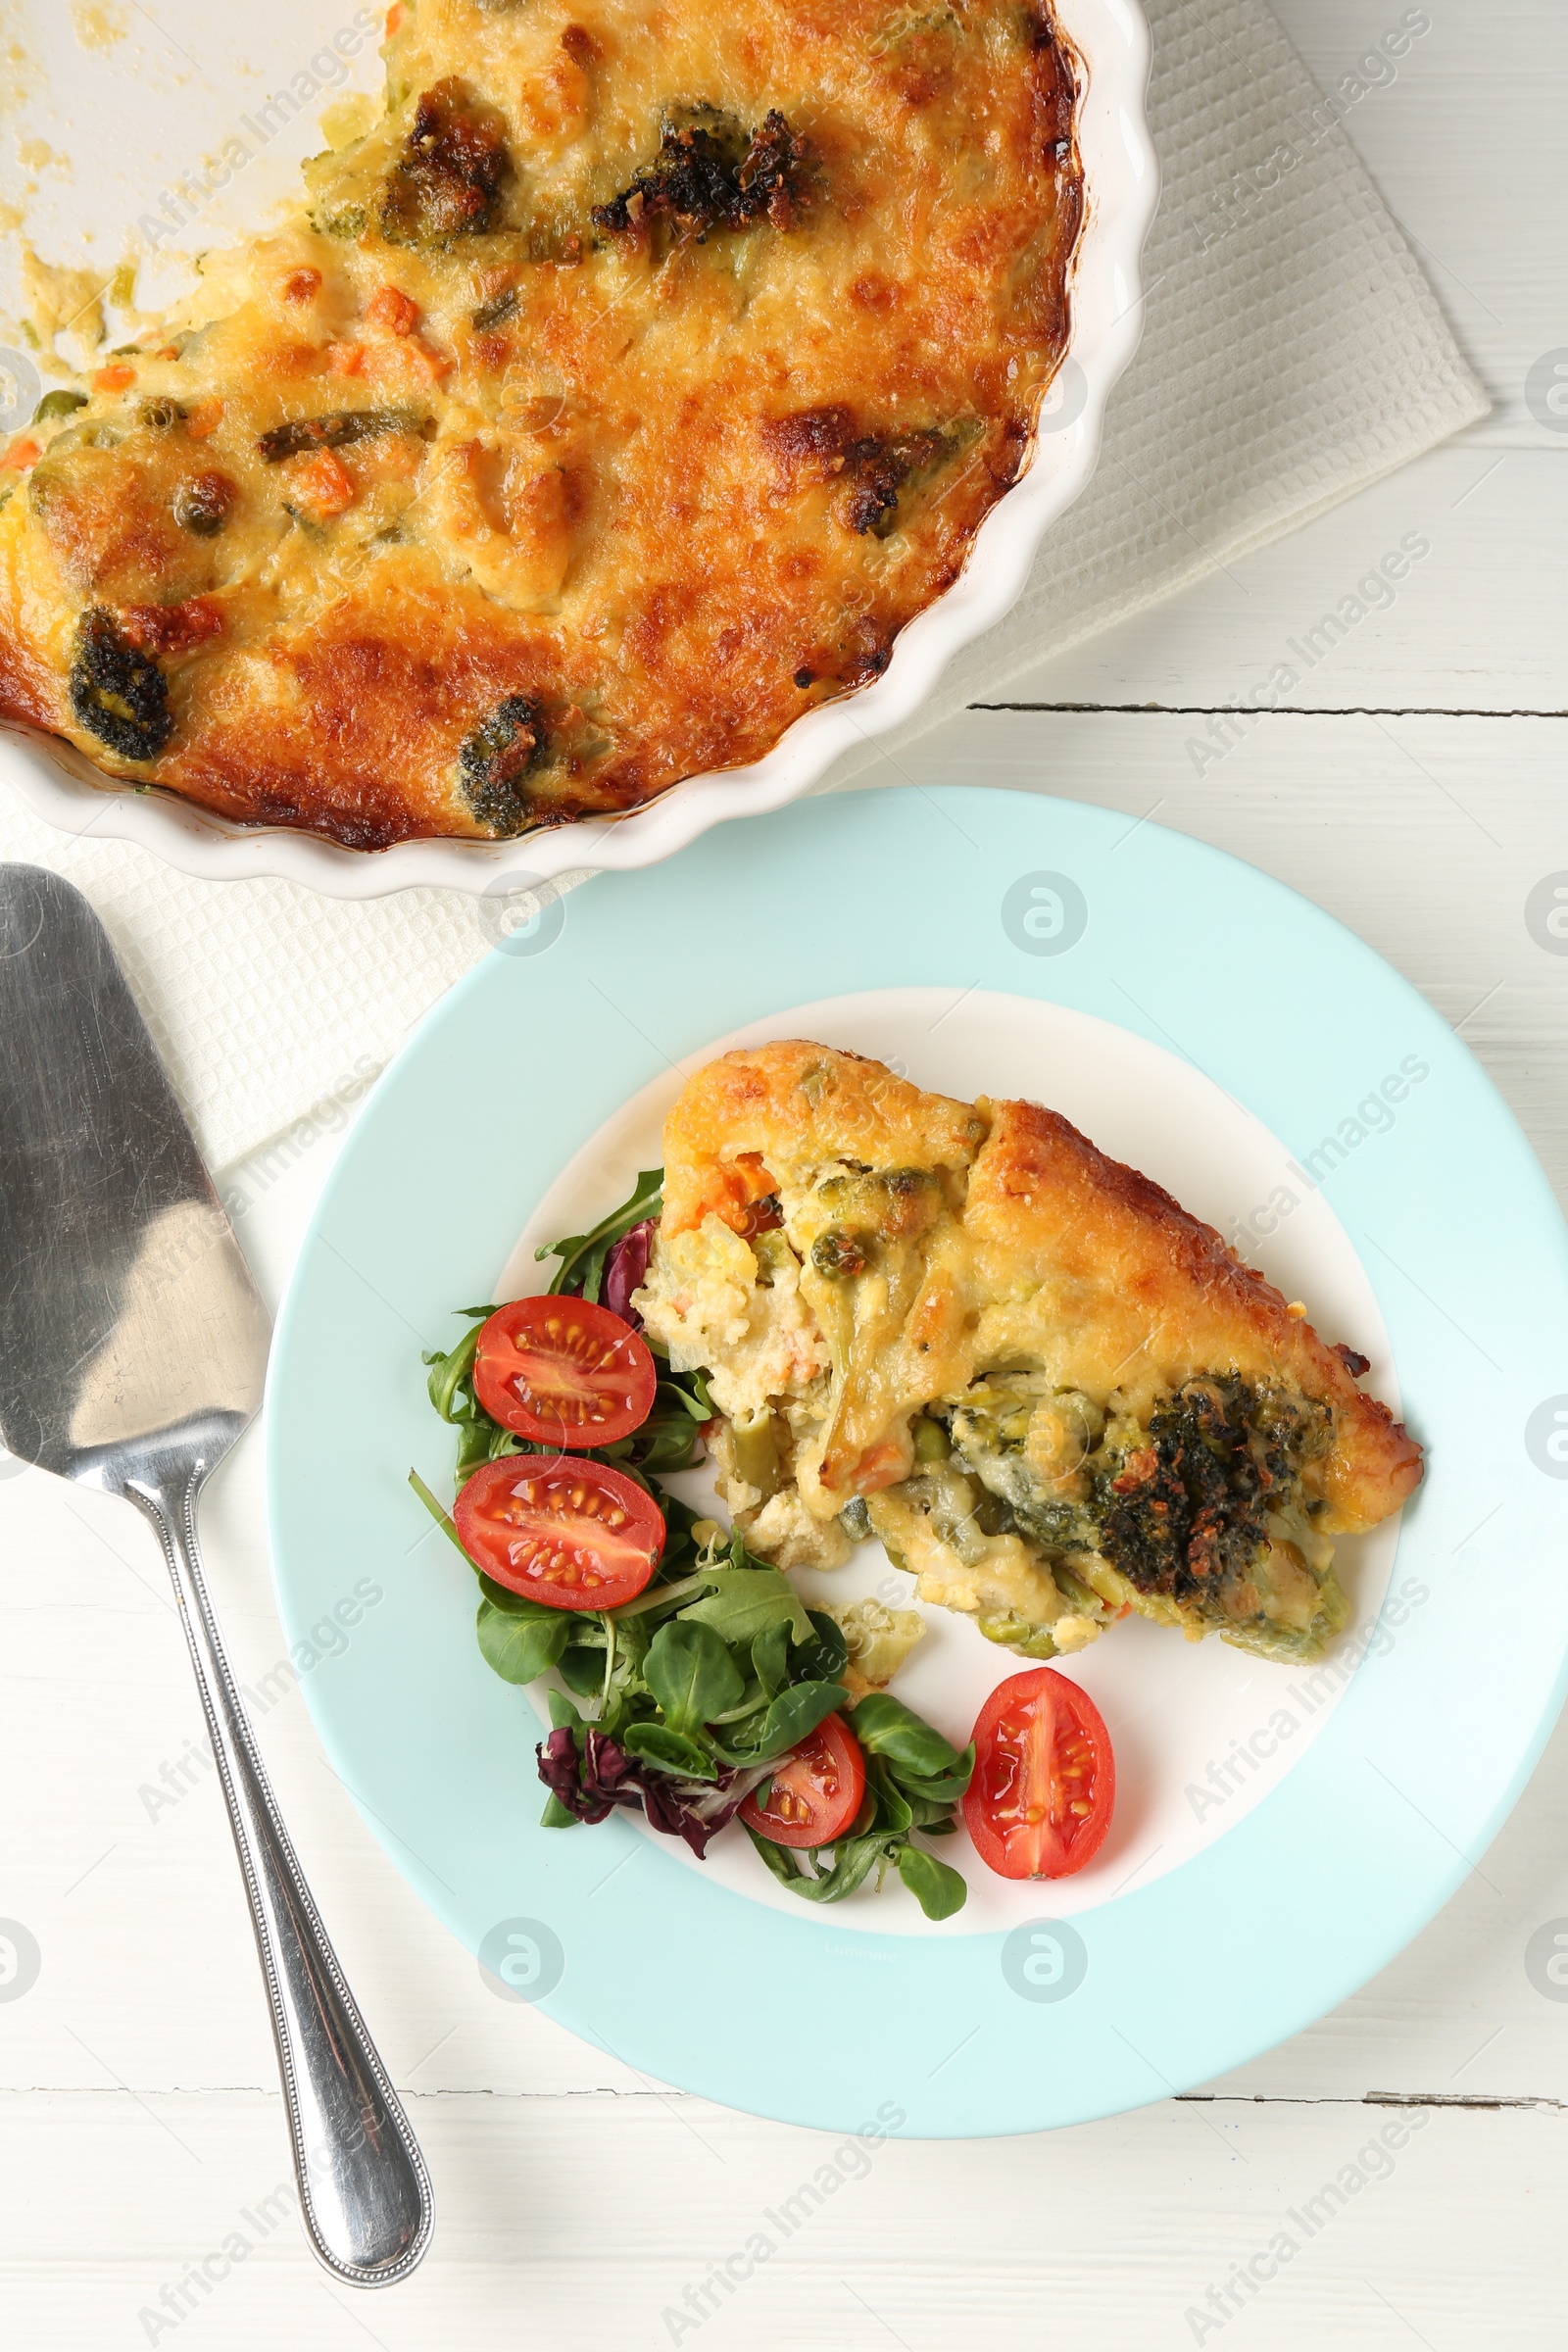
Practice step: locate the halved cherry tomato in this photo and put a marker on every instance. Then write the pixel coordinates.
(814, 1794)
(564, 1373)
(1044, 1780)
(572, 1534)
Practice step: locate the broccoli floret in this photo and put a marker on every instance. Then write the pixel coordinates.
(496, 760)
(708, 175)
(448, 180)
(117, 693)
(1187, 1510)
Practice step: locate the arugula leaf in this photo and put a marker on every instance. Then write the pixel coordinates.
(695, 1400)
(746, 1601)
(454, 1371)
(886, 1727)
(938, 1891)
(481, 1440)
(671, 1438)
(582, 1255)
(522, 1648)
(442, 1517)
(659, 1744)
(691, 1674)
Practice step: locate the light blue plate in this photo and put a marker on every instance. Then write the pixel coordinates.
(812, 2019)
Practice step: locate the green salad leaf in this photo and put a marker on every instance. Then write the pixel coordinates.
(770, 1658)
(746, 1601)
(938, 1889)
(689, 1672)
(824, 1657)
(582, 1255)
(915, 1780)
(886, 1727)
(668, 1749)
(522, 1648)
(786, 1719)
(582, 1668)
(689, 1696)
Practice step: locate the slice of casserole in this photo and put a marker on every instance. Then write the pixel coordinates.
(1052, 1393)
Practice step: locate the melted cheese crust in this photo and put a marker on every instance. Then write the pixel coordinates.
(644, 482)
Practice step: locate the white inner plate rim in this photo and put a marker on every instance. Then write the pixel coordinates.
(1202, 1731)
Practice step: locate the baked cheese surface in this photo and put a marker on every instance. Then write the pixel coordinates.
(619, 397)
(1051, 1392)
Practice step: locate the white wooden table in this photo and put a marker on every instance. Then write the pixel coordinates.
(1418, 791)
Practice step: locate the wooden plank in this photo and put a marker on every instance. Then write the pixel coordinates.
(1424, 836)
(607, 2224)
(1344, 617)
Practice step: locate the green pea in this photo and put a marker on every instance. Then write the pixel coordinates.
(931, 1440)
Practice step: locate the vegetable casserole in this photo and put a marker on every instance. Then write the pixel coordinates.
(617, 398)
(1053, 1394)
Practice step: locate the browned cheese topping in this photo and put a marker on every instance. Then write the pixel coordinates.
(619, 398)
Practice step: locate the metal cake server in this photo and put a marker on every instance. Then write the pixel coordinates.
(132, 1351)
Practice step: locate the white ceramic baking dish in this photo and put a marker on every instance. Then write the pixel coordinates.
(1110, 38)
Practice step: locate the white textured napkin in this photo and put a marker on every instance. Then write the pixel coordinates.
(1292, 353)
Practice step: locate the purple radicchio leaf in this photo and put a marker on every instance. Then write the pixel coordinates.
(572, 1778)
(626, 1270)
(592, 1783)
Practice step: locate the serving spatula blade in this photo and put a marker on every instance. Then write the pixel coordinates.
(132, 1354)
(127, 1309)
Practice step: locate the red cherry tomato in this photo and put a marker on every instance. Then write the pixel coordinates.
(1044, 1780)
(814, 1794)
(572, 1534)
(561, 1372)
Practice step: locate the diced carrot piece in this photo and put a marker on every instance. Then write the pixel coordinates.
(204, 419)
(345, 359)
(171, 351)
(394, 20)
(432, 365)
(302, 285)
(115, 378)
(396, 363)
(20, 457)
(324, 484)
(394, 310)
